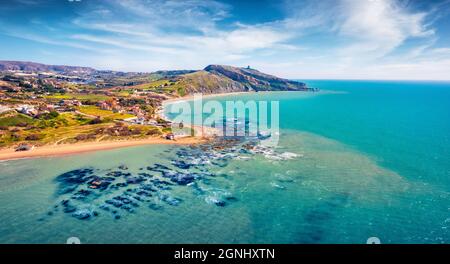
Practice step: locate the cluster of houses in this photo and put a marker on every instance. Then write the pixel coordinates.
(113, 105)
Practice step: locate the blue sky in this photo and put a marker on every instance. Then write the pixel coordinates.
(323, 39)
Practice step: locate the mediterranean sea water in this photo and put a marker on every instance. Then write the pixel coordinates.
(358, 159)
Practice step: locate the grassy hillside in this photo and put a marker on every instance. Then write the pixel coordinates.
(95, 111)
(209, 83)
(92, 97)
(14, 119)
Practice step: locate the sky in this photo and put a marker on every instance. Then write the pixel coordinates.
(309, 39)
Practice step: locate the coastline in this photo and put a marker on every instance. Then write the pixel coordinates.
(202, 134)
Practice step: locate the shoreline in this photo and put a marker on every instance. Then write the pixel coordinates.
(83, 147)
(202, 134)
(77, 148)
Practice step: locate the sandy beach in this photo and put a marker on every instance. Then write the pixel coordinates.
(66, 149)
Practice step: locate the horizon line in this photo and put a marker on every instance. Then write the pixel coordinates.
(185, 69)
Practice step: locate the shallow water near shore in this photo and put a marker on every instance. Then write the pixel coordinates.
(358, 160)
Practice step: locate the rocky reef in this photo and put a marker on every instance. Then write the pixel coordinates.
(86, 193)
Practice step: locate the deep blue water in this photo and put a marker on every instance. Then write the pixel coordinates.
(404, 125)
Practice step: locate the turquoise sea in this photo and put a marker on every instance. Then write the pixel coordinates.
(358, 159)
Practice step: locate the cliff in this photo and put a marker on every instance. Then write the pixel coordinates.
(223, 79)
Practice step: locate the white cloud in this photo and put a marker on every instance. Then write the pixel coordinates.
(196, 42)
(378, 26)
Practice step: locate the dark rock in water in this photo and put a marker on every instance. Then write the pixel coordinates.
(100, 183)
(115, 173)
(117, 217)
(162, 185)
(181, 164)
(170, 200)
(158, 168)
(123, 167)
(155, 207)
(168, 174)
(183, 179)
(68, 181)
(128, 208)
(244, 151)
(104, 207)
(231, 199)
(142, 193)
(115, 203)
(220, 203)
(109, 179)
(74, 176)
(95, 213)
(135, 180)
(263, 137)
(50, 213)
(145, 175)
(148, 187)
(179, 177)
(123, 199)
(137, 198)
(81, 194)
(68, 208)
(82, 214)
